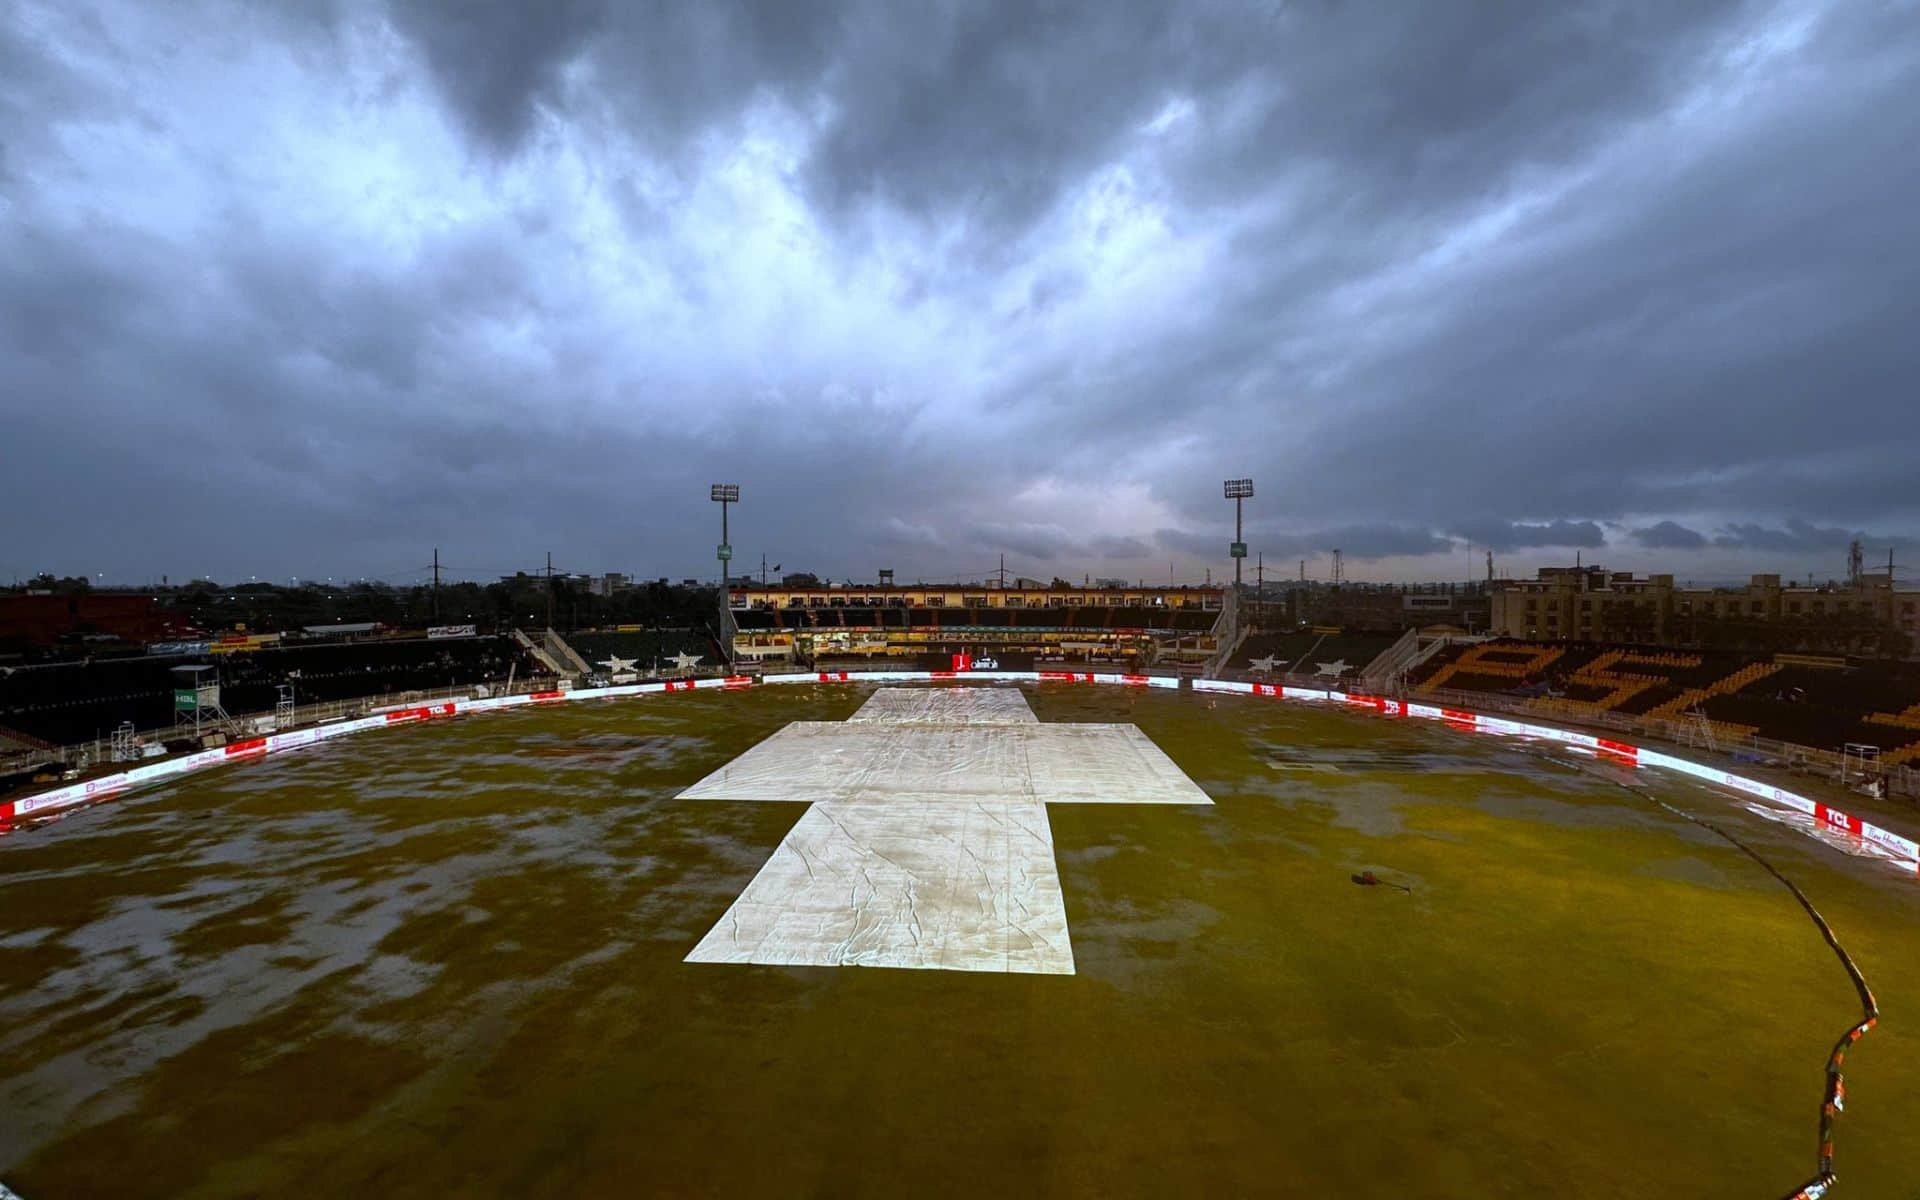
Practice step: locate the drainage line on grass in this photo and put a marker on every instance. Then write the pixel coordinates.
(1834, 1099)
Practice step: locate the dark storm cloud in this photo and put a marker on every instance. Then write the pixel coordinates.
(1669, 535)
(1360, 542)
(1800, 537)
(1042, 543)
(1513, 535)
(349, 280)
(499, 64)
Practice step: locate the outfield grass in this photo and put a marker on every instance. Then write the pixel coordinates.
(446, 960)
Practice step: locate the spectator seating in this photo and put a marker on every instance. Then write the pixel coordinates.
(76, 702)
(1154, 619)
(1612, 678)
(647, 647)
(1871, 703)
(1480, 667)
(1302, 651)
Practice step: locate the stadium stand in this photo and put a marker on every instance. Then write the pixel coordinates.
(346, 671)
(1302, 651)
(1826, 704)
(1492, 667)
(72, 702)
(1605, 682)
(648, 648)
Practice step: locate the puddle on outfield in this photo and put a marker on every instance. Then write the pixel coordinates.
(446, 960)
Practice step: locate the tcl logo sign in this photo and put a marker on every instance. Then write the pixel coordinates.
(1838, 821)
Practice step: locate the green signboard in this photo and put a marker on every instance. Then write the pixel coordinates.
(183, 700)
(726, 552)
(1238, 549)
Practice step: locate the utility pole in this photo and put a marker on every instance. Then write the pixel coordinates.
(549, 589)
(1303, 570)
(436, 583)
(1260, 572)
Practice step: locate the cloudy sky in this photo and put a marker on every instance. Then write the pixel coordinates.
(316, 288)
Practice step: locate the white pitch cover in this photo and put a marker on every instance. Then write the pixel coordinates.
(886, 763)
(927, 842)
(946, 706)
(954, 885)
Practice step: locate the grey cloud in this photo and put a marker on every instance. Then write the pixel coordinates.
(665, 71)
(1799, 537)
(1596, 276)
(1357, 542)
(1120, 547)
(896, 532)
(1514, 535)
(1041, 542)
(1669, 535)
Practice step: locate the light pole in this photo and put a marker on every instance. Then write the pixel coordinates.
(1237, 491)
(723, 495)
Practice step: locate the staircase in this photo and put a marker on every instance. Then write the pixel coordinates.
(1227, 634)
(1228, 649)
(1391, 661)
(557, 646)
(540, 653)
(1409, 654)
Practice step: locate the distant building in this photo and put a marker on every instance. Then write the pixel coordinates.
(1377, 607)
(1594, 604)
(613, 581)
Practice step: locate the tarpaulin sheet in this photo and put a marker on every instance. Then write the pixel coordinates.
(927, 844)
(934, 884)
(880, 763)
(947, 706)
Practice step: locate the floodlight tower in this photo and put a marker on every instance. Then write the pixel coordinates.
(1238, 490)
(724, 494)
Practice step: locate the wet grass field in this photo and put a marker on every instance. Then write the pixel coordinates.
(445, 960)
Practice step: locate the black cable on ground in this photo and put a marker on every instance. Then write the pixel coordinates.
(1834, 1098)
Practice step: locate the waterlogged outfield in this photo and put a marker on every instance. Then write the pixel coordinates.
(446, 960)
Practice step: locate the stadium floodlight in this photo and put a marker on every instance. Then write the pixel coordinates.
(724, 494)
(1237, 490)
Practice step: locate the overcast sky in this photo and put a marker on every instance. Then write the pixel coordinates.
(316, 288)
